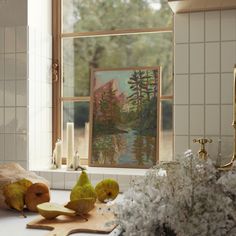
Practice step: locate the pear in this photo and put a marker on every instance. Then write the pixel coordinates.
(52, 210)
(14, 194)
(83, 188)
(81, 206)
(107, 189)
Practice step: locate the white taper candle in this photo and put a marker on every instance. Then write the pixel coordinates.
(58, 153)
(70, 143)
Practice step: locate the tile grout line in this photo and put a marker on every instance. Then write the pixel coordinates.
(188, 80)
(220, 78)
(204, 78)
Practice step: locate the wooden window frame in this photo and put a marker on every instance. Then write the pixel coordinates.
(57, 97)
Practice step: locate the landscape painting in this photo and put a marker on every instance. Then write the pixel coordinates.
(124, 117)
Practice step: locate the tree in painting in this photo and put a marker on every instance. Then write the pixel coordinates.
(125, 118)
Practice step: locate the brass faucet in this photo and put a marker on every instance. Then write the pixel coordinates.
(202, 153)
(229, 165)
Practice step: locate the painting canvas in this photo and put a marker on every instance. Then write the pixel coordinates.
(124, 117)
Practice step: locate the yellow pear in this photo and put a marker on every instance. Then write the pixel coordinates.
(83, 188)
(51, 210)
(81, 206)
(14, 194)
(107, 189)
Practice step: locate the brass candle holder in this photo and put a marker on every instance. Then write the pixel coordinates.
(229, 165)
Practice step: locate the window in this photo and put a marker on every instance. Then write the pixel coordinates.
(107, 34)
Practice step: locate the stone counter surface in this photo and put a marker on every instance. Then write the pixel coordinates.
(11, 223)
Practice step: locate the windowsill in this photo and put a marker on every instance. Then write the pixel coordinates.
(98, 170)
(65, 180)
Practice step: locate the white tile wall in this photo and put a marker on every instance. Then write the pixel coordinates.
(205, 108)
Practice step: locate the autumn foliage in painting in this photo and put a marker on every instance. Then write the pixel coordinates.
(125, 123)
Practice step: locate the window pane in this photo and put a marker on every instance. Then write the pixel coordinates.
(77, 112)
(114, 52)
(166, 135)
(94, 15)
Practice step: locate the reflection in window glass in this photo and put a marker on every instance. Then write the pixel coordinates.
(81, 54)
(90, 15)
(78, 113)
(166, 134)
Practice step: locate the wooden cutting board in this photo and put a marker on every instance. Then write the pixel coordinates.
(66, 225)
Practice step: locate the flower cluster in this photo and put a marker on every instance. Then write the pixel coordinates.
(186, 198)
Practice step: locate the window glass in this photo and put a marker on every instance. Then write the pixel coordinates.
(78, 113)
(97, 15)
(81, 54)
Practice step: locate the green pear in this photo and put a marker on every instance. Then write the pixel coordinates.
(83, 179)
(14, 194)
(81, 206)
(107, 190)
(83, 188)
(51, 210)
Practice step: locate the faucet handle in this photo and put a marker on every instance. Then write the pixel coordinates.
(202, 153)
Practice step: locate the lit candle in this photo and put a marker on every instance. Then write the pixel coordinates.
(58, 153)
(70, 144)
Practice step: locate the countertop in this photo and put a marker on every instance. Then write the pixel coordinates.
(11, 223)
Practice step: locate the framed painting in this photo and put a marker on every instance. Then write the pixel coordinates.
(124, 117)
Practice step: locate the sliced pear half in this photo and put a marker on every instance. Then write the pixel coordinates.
(51, 210)
(81, 206)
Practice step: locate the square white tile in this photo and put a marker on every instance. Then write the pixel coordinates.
(10, 120)
(2, 65)
(96, 178)
(197, 58)
(228, 25)
(10, 66)
(181, 89)
(228, 56)
(21, 93)
(212, 89)
(58, 180)
(2, 123)
(212, 120)
(2, 147)
(2, 89)
(180, 145)
(10, 93)
(181, 120)
(21, 147)
(181, 59)
(212, 57)
(47, 176)
(108, 176)
(10, 147)
(227, 88)
(2, 46)
(70, 180)
(124, 182)
(196, 120)
(21, 66)
(197, 27)
(226, 120)
(227, 149)
(213, 148)
(21, 120)
(21, 39)
(10, 37)
(212, 22)
(197, 89)
(181, 27)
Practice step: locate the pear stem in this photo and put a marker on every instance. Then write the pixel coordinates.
(23, 214)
